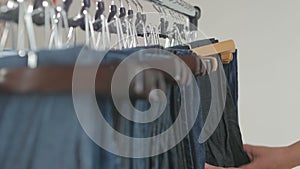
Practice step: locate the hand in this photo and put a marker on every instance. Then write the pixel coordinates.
(266, 157)
(263, 158)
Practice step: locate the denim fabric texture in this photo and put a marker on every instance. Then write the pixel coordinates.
(231, 71)
(225, 147)
(42, 130)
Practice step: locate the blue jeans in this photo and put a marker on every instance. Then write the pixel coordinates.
(231, 71)
(225, 147)
(42, 130)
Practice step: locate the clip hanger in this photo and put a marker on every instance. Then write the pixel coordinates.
(225, 48)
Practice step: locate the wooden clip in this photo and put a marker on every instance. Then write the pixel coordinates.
(226, 57)
(225, 48)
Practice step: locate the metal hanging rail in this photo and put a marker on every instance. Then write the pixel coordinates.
(180, 6)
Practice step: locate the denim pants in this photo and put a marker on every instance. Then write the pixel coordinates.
(224, 148)
(231, 71)
(42, 130)
(189, 153)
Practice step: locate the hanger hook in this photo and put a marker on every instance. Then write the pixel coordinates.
(176, 29)
(112, 2)
(121, 3)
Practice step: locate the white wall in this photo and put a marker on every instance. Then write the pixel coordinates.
(267, 34)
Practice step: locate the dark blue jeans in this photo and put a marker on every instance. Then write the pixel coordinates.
(225, 147)
(231, 71)
(188, 154)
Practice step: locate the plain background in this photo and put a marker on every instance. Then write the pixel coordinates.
(267, 36)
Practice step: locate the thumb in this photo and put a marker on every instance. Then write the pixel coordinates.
(251, 151)
(248, 148)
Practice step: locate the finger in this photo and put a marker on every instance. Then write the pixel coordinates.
(250, 150)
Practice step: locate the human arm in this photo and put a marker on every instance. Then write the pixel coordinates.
(270, 157)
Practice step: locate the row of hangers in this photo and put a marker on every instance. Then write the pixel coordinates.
(98, 29)
(39, 12)
(127, 28)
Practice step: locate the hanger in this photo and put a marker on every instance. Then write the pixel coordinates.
(26, 23)
(113, 11)
(4, 36)
(38, 14)
(58, 23)
(128, 38)
(84, 21)
(67, 4)
(115, 25)
(138, 26)
(100, 8)
(79, 20)
(122, 10)
(130, 31)
(140, 19)
(164, 23)
(225, 48)
(10, 12)
(101, 26)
